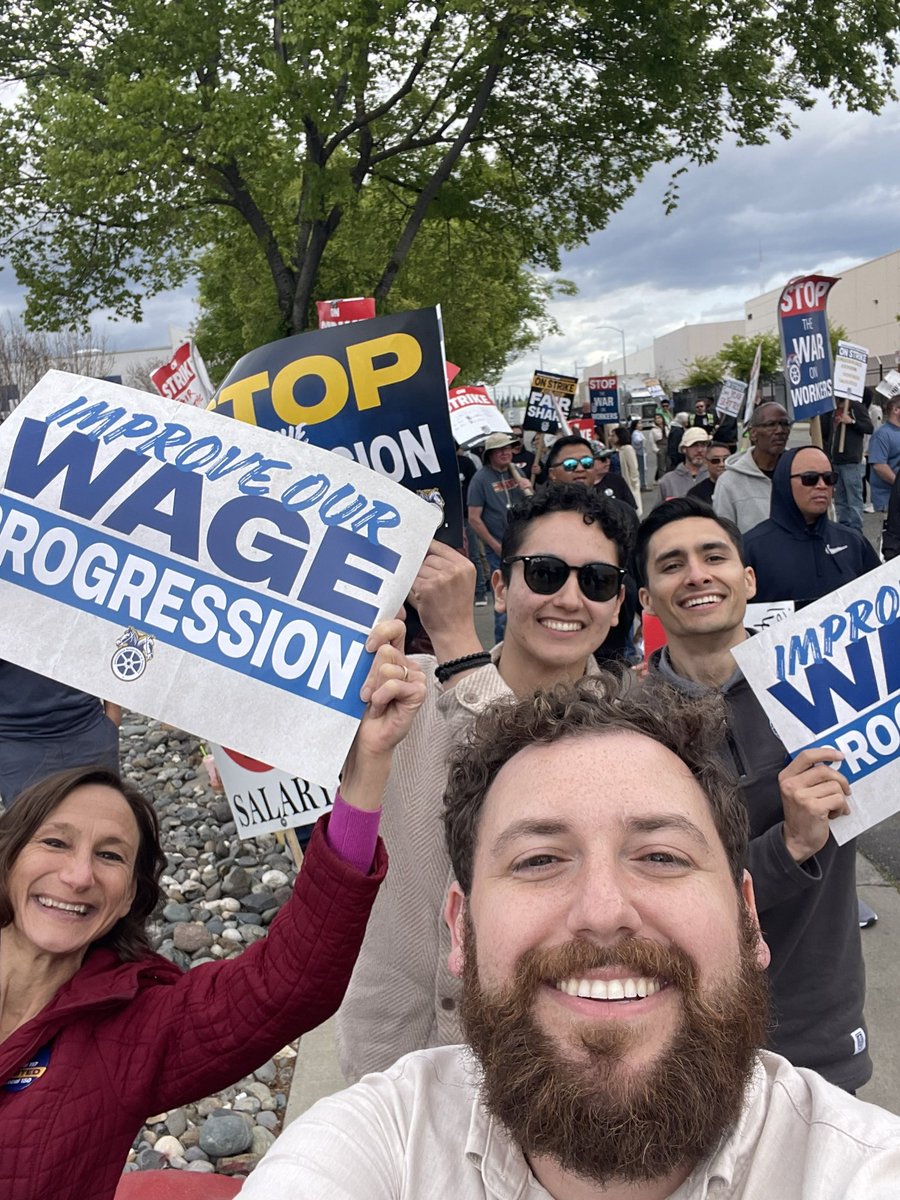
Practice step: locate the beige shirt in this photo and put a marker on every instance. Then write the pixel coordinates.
(419, 1132)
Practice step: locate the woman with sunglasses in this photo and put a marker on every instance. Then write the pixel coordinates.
(799, 554)
(571, 460)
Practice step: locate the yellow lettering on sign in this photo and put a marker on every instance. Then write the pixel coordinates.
(240, 393)
(369, 379)
(337, 389)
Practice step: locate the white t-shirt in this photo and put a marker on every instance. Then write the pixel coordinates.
(419, 1132)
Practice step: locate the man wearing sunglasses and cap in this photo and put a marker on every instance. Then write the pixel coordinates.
(798, 553)
(560, 586)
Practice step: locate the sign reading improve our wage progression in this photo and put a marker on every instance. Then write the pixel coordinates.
(805, 346)
(204, 572)
(829, 675)
(540, 412)
(373, 391)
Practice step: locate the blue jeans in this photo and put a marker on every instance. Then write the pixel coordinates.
(499, 618)
(848, 495)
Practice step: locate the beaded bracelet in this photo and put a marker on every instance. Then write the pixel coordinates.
(445, 671)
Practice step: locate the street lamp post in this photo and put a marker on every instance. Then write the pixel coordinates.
(621, 334)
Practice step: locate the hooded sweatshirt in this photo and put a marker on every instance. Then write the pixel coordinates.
(800, 562)
(743, 492)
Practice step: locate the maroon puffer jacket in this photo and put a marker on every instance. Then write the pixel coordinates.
(129, 1039)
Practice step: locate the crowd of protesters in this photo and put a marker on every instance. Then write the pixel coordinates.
(610, 887)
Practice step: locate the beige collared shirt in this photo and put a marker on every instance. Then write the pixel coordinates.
(419, 1132)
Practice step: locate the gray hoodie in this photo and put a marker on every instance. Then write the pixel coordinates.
(743, 492)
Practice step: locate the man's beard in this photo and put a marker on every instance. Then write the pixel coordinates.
(588, 1112)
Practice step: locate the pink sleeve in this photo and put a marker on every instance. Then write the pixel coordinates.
(353, 834)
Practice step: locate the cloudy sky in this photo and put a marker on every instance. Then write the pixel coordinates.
(825, 200)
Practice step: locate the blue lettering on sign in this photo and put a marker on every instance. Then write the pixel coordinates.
(869, 742)
(825, 681)
(294, 647)
(206, 456)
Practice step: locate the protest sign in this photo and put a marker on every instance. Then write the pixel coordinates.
(753, 385)
(374, 391)
(731, 397)
(805, 345)
(344, 312)
(889, 386)
(184, 377)
(761, 616)
(200, 571)
(830, 676)
(473, 415)
(850, 371)
(604, 394)
(264, 800)
(585, 426)
(547, 391)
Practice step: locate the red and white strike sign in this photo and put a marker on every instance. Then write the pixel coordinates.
(183, 377)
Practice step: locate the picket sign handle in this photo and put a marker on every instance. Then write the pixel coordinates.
(289, 838)
(517, 475)
(815, 431)
(843, 432)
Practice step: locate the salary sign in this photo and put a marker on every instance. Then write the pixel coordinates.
(201, 571)
(829, 675)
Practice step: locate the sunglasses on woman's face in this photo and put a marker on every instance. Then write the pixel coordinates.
(811, 478)
(546, 574)
(572, 464)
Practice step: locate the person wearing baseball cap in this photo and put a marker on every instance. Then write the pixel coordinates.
(692, 471)
(492, 492)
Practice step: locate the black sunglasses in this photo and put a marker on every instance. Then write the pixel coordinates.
(572, 464)
(546, 574)
(811, 478)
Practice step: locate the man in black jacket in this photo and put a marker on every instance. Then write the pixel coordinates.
(848, 460)
(695, 581)
(799, 554)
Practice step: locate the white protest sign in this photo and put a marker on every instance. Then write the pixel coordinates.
(264, 800)
(201, 571)
(830, 676)
(753, 385)
(761, 616)
(850, 366)
(474, 415)
(890, 385)
(731, 397)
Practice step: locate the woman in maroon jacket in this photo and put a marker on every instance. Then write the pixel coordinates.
(96, 1031)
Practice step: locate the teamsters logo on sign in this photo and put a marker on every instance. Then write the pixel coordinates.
(248, 567)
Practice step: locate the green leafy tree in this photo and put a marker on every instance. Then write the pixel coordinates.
(704, 371)
(738, 353)
(146, 132)
(493, 306)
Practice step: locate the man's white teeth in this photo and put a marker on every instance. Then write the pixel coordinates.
(562, 626)
(695, 601)
(81, 909)
(637, 988)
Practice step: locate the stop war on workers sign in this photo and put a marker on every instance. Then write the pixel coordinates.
(202, 571)
(829, 675)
